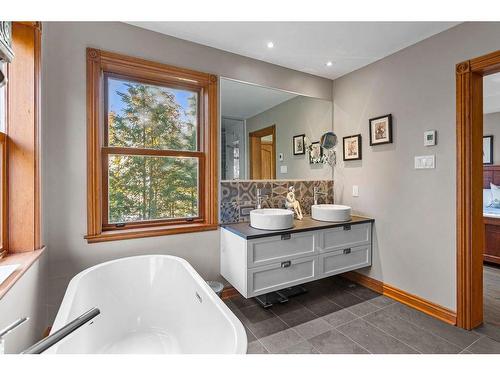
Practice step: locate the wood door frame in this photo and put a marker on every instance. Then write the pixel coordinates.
(470, 229)
(270, 130)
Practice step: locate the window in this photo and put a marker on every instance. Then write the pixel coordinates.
(151, 148)
(151, 153)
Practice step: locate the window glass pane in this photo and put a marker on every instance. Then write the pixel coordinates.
(152, 187)
(147, 116)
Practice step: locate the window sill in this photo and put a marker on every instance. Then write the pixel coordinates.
(127, 234)
(25, 261)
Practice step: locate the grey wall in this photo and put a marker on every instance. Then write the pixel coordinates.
(491, 126)
(415, 230)
(64, 139)
(26, 298)
(300, 115)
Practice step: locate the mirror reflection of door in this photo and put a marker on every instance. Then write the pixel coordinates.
(263, 153)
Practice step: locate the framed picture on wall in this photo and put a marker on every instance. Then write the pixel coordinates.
(298, 145)
(488, 149)
(352, 147)
(381, 130)
(316, 153)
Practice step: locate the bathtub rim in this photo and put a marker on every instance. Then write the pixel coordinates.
(62, 315)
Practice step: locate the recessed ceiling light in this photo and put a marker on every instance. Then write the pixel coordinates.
(270, 45)
(329, 63)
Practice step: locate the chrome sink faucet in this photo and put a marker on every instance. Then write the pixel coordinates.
(317, 192)
(260, 198)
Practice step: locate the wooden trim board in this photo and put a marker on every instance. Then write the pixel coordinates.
(430, 308)
(23, 145)
(470, 228)
(229, 292)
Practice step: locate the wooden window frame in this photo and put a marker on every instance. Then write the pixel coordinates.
(4, 185)
(21, 140)
(101, 64)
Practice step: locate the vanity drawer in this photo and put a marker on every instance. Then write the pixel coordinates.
(347, 236)
(277, 276)
(274, 249)
(344, 260)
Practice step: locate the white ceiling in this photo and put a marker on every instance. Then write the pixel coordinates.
(242, 101)
(305, 46)
(491, 93)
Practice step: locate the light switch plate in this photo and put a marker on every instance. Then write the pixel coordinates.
(355, 190)
(283, 169)
(425, 162)
(280, 156)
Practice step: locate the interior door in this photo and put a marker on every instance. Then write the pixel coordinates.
(263, 153)
(266, 160)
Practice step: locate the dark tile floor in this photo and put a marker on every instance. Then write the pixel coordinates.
(338, 316)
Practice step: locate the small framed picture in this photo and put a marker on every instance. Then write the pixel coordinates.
(352, 147)
(430, 138)
(316, 153)
(381, 130)
(488, 149)
(298, 145)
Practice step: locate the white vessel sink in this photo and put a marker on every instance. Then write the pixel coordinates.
(331, 212)
(271, 218)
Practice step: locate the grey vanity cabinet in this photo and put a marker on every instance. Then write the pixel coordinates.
(262, 265)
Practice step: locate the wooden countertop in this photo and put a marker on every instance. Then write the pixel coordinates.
(306, 224)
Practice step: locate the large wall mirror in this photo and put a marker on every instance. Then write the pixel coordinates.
(269, 134)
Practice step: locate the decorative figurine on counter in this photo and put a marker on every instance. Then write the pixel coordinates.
(292, 203)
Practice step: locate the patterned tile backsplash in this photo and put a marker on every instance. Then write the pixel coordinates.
(238, 198)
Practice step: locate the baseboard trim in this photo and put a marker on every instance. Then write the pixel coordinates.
(229, 292)
(430, 308)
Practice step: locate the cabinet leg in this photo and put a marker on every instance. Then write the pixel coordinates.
(282, 298)
(293, 291)
(263, 301)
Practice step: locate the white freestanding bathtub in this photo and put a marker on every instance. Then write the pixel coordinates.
(149, 304)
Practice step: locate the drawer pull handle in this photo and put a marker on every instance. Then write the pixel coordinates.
(286, 236)
(347, 251)
(286, 264)
(347, 227)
